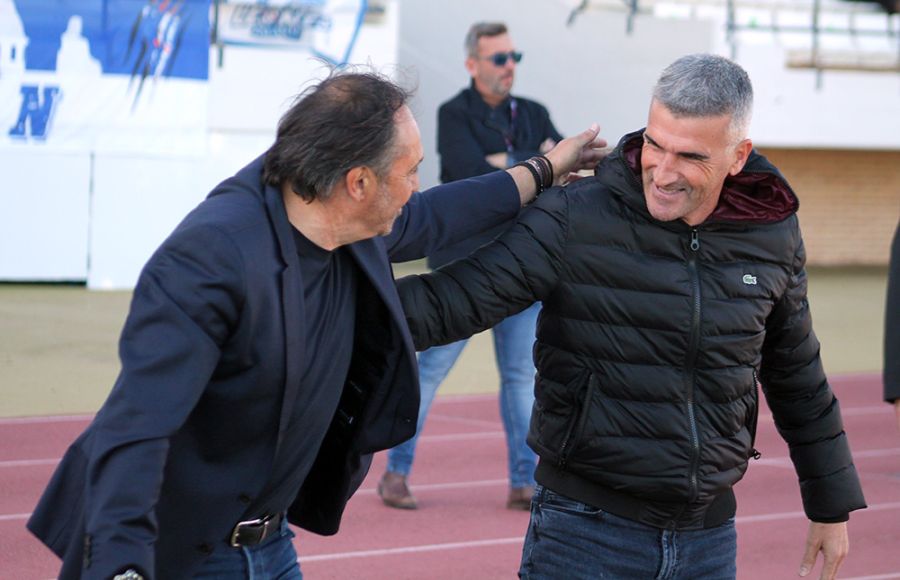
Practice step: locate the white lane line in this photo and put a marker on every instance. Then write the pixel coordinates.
(478, 436)
(412, 549)
(40, 420)
(739, 520)
(766, 461)
(45, 419)
(869, 410)
(462, 436)
(464, 420)
(845, 411)
(440, 486)
(477, 398)
(849, 412)
(863, 454)
(28, 462)
(878, 507)
(876, 452)
(364, 491)
(520, 539)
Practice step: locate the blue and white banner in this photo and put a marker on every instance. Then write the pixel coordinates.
(114, 75)
(325, 28)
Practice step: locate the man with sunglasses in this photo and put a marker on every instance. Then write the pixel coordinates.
(482, 129)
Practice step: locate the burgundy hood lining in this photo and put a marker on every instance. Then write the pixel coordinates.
(758, 195)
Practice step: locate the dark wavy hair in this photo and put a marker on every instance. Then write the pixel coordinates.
(345, 121)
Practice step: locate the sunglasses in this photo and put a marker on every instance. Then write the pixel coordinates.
(501, 58)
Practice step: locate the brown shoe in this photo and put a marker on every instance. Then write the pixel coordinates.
(394, 492)
(520, 498)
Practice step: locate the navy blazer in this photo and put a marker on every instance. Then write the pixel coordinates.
(212, 355)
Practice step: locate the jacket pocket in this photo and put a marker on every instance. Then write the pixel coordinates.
(575, 429)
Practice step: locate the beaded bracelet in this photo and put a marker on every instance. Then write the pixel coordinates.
(541, 170)
(538, 182)
(549, 165)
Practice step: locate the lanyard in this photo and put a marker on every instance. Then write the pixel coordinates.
(511, 133)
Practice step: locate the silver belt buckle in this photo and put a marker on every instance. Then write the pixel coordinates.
(237, 528)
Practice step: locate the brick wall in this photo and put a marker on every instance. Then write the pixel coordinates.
(849, 202)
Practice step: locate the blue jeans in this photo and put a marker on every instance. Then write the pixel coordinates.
(513, 344)
(569, 539)
(273, 559)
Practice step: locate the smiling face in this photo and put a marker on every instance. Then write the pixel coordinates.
(684, 162)
(395, 187)
(493, 82)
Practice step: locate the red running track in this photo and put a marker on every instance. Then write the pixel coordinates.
(462, 529)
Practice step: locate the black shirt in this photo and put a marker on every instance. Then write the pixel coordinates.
(329, 288)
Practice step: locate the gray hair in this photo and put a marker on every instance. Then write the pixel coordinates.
(707, 85)
(480, 29)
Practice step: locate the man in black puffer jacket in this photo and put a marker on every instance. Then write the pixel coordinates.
(671, 282)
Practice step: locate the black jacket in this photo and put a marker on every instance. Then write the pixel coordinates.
(467, 131)
(892, 325)
(651, 340)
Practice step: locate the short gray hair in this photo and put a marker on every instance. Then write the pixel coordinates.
(707, 85)
(480, 29)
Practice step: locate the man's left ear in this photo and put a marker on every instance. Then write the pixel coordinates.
(358, 180)
(741, 154)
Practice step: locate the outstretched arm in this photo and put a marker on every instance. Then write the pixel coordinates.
(502, 278)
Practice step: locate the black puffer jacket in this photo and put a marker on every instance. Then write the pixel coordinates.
(651, 340)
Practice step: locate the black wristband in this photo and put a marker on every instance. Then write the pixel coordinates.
(549, 166)
(538, 183)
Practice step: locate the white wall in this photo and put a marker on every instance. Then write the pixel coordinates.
(855, 110)
(44, 228)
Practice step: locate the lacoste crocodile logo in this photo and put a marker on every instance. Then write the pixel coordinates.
(749, 280)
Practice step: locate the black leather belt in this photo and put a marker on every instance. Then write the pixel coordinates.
(253, 532)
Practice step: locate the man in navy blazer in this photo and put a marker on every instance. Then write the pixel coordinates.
(265, 356)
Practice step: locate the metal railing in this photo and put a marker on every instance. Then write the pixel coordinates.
(816, 20)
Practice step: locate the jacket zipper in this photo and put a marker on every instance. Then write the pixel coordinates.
(691, 360)
(754, 420)
(576, 427)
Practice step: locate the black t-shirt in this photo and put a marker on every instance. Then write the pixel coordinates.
(329, 287)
